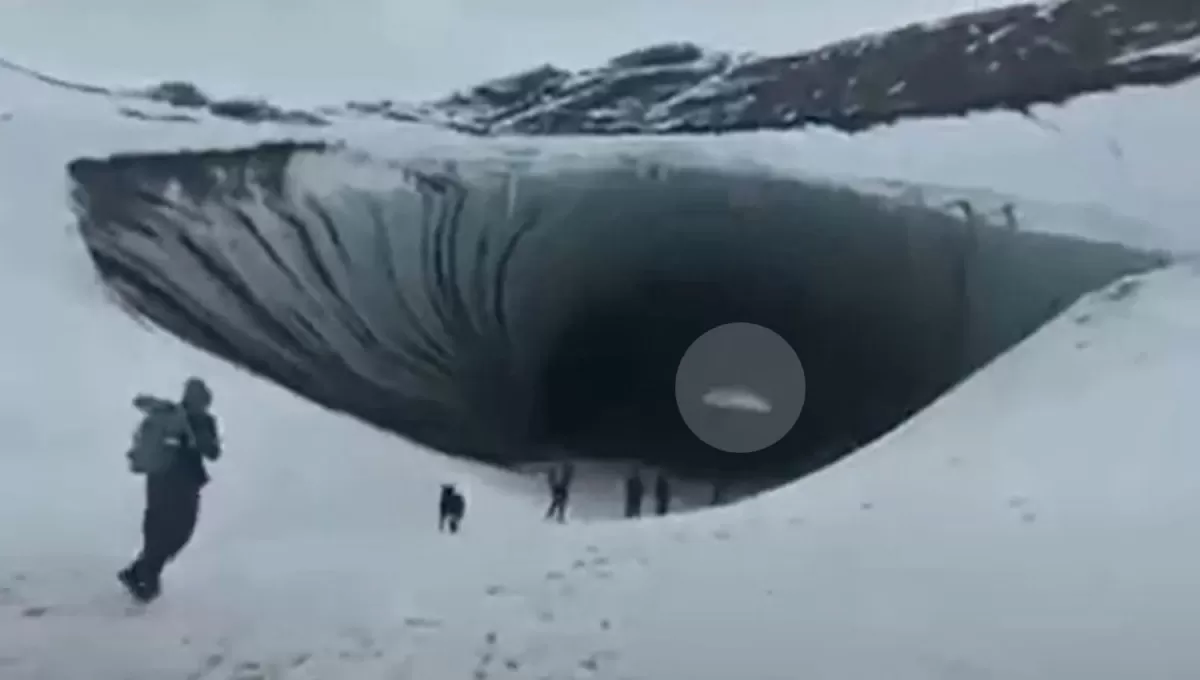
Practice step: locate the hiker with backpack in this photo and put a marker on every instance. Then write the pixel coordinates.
(169, 448)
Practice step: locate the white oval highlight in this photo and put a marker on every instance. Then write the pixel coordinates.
(736, 398)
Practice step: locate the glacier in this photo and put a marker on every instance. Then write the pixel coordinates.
(513, 310)
(1031, 523)
(497, 304)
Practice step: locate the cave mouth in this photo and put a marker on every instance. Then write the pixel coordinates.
(886, 305)
(514, 315)
(609, 379)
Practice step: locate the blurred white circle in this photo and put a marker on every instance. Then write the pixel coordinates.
(740, 387)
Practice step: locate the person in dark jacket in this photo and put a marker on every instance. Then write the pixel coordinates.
(720, 488)
(173, 495)
(452, 506)
(560, 492)
(662, 494)
(635, 488)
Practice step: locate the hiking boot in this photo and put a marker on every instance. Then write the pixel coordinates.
(140, 590)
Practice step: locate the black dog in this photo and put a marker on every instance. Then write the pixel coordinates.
(451, 508)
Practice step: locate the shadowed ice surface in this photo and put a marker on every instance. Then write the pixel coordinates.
(512, 304)
(505, 310)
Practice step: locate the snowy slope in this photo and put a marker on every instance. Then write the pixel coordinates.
(1009, 59)
(301, 491)
(1033, 524)
(302, 53)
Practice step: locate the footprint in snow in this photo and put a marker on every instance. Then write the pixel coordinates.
(422, 622)
(9, 597)
(105, 607)
(359, 654)
(1123, 290)
(251, 670)
(362, 646)
(211, 663)
(591, 662)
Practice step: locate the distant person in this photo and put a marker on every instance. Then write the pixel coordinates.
(720, 488)
(662, 495)
(634, 490)
(452, 507)
(170, 447)
(560, 491)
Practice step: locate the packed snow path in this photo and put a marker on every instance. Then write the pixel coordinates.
(1036, 523)
(1032, 525)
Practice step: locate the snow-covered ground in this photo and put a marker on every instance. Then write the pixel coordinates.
(1037, 522)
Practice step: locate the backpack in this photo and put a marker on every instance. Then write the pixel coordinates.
(158, 437)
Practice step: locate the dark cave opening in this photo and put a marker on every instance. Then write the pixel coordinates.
(619, 271)
(608, 381)
(887, 308)
(608, 386)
